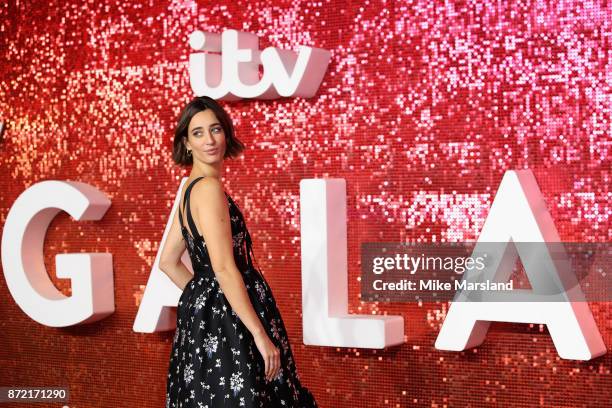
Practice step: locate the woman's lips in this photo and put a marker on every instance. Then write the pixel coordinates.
(213, 151)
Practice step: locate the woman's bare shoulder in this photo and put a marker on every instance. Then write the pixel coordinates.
(208, 190)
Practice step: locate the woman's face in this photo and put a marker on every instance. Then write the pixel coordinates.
(205, 137)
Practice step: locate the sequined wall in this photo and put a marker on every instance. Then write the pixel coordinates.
(424, 106)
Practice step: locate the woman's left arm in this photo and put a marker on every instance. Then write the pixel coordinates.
(170, 260)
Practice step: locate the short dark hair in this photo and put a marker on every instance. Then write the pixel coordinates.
(198, 104)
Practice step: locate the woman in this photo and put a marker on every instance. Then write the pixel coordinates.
(230, 348)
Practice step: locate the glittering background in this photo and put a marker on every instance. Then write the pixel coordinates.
(424, 106)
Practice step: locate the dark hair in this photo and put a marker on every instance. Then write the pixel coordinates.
(179, 151)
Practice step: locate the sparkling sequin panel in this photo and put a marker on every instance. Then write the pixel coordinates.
(424, 106)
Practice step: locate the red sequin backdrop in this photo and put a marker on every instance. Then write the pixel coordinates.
(423, 108)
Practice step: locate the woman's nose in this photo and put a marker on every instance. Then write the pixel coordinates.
(209, 138)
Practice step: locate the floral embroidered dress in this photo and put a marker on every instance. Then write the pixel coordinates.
(214, 361)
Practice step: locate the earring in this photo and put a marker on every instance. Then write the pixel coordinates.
(188, 152)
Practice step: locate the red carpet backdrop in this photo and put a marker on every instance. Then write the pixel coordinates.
(424, 106)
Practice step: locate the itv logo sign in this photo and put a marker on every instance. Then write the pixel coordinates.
(226, 67)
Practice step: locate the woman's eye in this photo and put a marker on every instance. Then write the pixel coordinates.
(217, 129)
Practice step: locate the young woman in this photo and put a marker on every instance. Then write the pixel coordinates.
(230, 347)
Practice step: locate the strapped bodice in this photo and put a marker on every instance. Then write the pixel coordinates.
(196, 245)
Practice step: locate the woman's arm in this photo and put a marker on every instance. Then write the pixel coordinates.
(211, 208)
(170, 260)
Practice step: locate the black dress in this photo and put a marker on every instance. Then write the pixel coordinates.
(214, 361)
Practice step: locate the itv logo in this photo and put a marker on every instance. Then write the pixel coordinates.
(226, 67)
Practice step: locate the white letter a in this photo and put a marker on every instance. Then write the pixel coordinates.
(518, 214)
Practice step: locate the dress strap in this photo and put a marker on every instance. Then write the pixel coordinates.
(181, 217)
(190, 221)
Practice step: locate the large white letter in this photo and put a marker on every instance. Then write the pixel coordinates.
(519, 214)
(326, 321)
(157, 311)
(23, 259)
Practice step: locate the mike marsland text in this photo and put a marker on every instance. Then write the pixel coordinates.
(437, 285)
